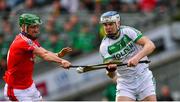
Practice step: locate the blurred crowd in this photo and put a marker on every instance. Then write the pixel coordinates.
(71, 23)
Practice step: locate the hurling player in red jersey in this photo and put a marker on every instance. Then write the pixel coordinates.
(20, 61)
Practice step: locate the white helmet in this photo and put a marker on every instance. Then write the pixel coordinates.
(110, 16)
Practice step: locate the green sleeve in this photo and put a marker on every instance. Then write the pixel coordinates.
(138, 37)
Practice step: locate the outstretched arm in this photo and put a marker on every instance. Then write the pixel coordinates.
(148, 47)
(50, 56)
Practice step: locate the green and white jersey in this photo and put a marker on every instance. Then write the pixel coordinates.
(122, 49)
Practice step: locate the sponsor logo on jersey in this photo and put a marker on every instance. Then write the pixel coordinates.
(125, 51)
(30, 43)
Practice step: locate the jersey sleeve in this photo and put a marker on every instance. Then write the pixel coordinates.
(133, 33)
(37, 43)
(104, 53)
(29, 45)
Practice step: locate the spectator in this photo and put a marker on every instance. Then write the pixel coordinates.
(114, 5)
(97, 9)
(56, 9)
(71, 36)
(4, 9)
(95, 28)
(72, 29)
(133, 7)
(71, 7)
(53, 24)
(7, 29)
(3, 51)
(13, 3)
(165, 94)
(86, 40)
(89, 5)
(3, 47)
(54, 42)
(148, 6)
(29, 6)
(124, 7)
(68, 32)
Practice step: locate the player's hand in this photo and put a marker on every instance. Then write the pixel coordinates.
(111, 74)
(64, 51)
(133, 62)
(66, 64)
(111, 67)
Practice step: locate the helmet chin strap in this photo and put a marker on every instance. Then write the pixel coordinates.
(113, 36)
(28, 35)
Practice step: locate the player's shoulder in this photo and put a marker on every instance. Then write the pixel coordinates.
(104, 42)
(129, 30)
(126, 28)
(21, 40)
(18, 39)
(104, 38)
(103, 47)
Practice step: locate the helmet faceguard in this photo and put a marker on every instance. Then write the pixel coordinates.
(111, 17)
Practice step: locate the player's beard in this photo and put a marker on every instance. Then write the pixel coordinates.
(32, 37)
(35, 36)
(113, 36)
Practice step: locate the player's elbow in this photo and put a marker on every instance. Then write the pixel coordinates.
(150, 47)
(153, 47)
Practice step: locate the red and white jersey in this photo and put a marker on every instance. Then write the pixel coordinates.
(20, 62)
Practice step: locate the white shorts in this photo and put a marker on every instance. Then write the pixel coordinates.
(29, 94)
(138, 89)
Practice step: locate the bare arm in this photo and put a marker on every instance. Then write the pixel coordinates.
(110, 71)
(148, 47)
(50, 56)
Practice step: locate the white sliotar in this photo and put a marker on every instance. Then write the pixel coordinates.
(79, 70)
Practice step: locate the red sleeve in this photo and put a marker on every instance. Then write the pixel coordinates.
(29, 45)
(37, 43)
